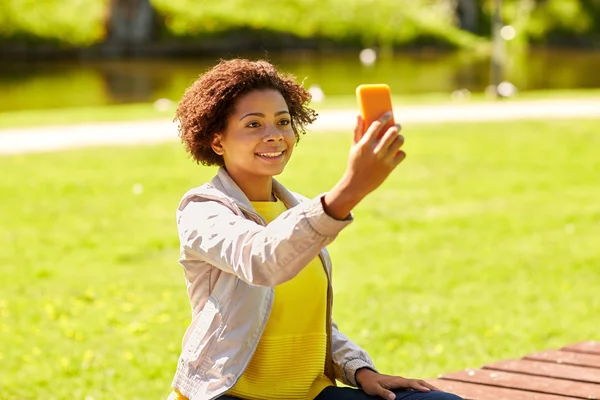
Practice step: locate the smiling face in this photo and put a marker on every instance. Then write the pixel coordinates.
(258, 140)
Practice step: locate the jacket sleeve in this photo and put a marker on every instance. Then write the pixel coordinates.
(348, 358)
(259, 255)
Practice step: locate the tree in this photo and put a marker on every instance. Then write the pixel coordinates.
(129, 23)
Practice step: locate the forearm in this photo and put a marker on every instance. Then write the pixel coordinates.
(259, 255)
(341, 199)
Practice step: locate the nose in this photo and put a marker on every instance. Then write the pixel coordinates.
(273, 134)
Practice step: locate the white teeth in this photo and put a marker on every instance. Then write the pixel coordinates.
(270, 154)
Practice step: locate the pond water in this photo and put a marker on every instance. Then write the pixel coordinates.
(90, 83)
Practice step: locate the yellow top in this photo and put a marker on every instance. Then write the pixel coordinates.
(289, 360)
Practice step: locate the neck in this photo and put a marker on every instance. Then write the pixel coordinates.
(256, 188)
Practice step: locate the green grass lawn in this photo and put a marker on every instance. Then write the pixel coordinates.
(146, 111)
(482, 246)
(69, 116)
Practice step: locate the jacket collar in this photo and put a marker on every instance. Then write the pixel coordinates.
(225, 183)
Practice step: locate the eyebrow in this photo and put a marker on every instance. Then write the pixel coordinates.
(259, 114)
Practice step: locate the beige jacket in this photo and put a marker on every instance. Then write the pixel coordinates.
(232, 260)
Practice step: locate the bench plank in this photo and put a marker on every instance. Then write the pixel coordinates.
(471, 391)
(589, 347)
(566, 357)
(527, 382)
(550, 370)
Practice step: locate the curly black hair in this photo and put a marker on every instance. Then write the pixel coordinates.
(210, 100)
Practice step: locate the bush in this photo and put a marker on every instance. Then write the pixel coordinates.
(72, 22)
(383, 22)
(550, 21)
(81, 23)
(374, 22)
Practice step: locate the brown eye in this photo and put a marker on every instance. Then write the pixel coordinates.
(253, 124)
(284, 122)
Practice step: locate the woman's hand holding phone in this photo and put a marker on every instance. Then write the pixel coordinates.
(373, 156)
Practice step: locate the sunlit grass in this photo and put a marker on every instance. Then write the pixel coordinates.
(69, 116)
(482, 246)
(441, 98)
(147, 111)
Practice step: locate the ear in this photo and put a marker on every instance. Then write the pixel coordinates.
(217, 144)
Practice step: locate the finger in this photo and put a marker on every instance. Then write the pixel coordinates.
(428, 385)
(419, 385)
(358, 129)
(386, 394)
(373, 131)
(386, 140)
(396, 145)
(399, 157)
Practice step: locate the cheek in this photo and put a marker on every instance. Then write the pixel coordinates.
(240, 142)
(290, 136)
(291, 143)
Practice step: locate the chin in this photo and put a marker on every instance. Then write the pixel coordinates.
(273, 171)
(270, 170)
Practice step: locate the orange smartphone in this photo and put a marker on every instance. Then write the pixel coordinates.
(374, 100)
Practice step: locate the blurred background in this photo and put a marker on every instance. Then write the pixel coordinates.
(99, 52)
(482, 246)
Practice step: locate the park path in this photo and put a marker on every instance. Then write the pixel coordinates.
(50, 138)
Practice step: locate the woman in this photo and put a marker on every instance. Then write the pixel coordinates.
(258, 275)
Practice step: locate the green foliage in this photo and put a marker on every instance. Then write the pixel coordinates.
(482, 246)
(370, 22)
(72, 22)
(364, 22)
(540, 18)
(388, 22)
(548, 21)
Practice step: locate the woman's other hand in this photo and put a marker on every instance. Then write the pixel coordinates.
(381, 385)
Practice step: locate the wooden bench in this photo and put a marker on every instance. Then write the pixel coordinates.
(573, 372)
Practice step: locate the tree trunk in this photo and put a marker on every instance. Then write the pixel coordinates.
(129, 23)
(467, 12)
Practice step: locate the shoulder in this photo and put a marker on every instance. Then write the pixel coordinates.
(300, 198)
(205, 203)
(204, 193)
